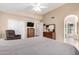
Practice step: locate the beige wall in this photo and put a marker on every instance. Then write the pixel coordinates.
(4, 20)
(60, 14)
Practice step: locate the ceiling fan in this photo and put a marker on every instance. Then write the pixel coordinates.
(37, 7)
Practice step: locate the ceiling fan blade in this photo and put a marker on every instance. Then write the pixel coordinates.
(42, 6)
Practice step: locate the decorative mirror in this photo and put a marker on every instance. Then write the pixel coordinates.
(49, 28)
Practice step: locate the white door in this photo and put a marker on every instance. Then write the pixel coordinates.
(70, 30)
(39, 29)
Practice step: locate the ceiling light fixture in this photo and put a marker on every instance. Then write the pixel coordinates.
(38, 7)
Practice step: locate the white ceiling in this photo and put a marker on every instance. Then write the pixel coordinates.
(27, 8)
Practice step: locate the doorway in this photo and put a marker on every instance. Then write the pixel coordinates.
(71, 30)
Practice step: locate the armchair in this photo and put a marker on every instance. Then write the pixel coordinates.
(10, 35)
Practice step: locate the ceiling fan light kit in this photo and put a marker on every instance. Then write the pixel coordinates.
(37, 7)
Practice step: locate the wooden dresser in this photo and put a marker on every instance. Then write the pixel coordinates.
(49, 35)
(30, 32)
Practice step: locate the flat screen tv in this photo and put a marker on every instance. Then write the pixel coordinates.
(30, 24)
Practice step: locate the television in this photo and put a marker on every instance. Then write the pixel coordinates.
(30, 24)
